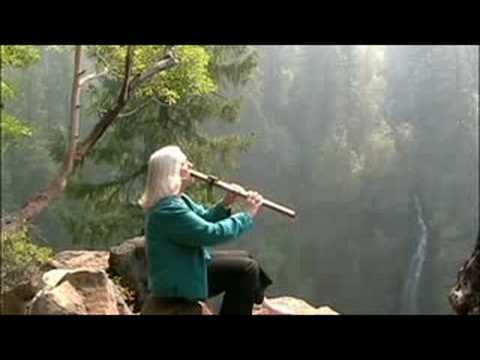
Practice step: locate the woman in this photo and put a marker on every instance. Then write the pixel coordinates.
(181, 270)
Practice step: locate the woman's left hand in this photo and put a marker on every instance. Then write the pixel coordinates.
(231, 197)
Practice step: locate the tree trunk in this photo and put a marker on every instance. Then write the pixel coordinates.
(41, 200)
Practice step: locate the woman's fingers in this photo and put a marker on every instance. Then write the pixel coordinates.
(254, 198)
(237, 187)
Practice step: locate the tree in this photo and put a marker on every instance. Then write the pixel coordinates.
(112, 179)
(129, 76)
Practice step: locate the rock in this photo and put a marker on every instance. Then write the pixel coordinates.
(128, 260)
(78, 283)
(73, 259)
(14, 301)
(464, 297)
(122, 306)
(206, 309)
(62, 300)
(159, 306)
(95, 260)
(51, 278)
(80, 291)
(291, 306)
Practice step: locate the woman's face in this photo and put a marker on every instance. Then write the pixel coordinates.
(187, 179)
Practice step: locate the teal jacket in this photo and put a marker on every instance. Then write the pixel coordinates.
(177, 232)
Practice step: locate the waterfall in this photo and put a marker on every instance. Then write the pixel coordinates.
(410, 291)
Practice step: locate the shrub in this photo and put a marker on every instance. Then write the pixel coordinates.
(20, 258)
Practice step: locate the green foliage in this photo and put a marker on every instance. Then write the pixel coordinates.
(190, 77)
(18, 56)
(56, 143)
(99, 221)
(234, 65)
(20, 257)
(6, 91)
(13, 130)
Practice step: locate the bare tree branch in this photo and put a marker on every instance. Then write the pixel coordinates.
(125, 93)
(110, 116)
(75, 114)
(160, 102)
(165, 63)
(92, 76)
(134, 111)
(101, 58)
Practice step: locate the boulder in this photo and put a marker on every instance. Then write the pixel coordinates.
(157, 306)
(80, 291)
(128, 260)
(73, 259)
(80, 283)
(291, 306)
(15, 300)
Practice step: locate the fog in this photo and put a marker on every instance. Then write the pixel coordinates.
(376, 148)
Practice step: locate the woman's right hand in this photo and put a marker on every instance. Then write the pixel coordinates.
(253, 202)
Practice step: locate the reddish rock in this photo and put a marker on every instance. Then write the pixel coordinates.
(73, 259)
(78, 292)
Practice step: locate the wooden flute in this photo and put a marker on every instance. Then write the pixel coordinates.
(215, 181)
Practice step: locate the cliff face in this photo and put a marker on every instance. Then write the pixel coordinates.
(112, 283)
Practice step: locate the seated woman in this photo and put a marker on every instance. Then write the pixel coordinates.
(178, 230)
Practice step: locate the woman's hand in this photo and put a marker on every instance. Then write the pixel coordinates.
(231, 197)
(253, 203)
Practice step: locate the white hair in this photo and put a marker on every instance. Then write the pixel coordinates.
(163, 175)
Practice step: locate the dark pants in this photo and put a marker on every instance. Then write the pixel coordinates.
(233, 272)
(240, 277)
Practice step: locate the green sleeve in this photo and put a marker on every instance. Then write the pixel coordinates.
(188, 228)
(213, 214)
